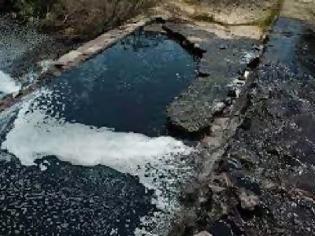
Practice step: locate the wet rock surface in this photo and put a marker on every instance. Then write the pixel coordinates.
(263, 183)
(57, 198)
(223, 61)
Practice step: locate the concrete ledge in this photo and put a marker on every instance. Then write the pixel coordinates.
(98, 44)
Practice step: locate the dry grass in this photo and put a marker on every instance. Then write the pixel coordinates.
(85, 19)
(263, 22)
(229, 12)
(88, 18)
(82, 19)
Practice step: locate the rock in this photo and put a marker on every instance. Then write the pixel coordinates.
(270, 158)
(194, 109)
(203, 233)
(218, 107)
(248, 200)
(246, 74)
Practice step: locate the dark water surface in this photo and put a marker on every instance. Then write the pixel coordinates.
(69, 200)
(293, 44)
(127, 87)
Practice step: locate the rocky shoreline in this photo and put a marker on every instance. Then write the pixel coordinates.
(262, 181)
(253, 104)
(223, 62)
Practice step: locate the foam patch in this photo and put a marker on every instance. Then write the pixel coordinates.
(7, 84)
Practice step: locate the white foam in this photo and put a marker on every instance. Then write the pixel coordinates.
(35, 135)
(45, 65)
(158, 162)
(7, 84)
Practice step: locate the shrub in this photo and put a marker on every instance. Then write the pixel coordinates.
(80, 18)
(87, 18)
(31, 8)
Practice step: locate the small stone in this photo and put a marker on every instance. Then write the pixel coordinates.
(238, 82)
(16, 94)
(203, 233)
(223, 46)
(248, 200)
(14, 15)
(42, 167)
(64, 225)
(246, 74)
(197, 45)
(218, 107)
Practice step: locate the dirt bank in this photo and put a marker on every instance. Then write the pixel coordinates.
(77, 19)
(86, 19)
(227, 12)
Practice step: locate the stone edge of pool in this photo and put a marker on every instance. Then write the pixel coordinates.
(84, 52)
(182, 115)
